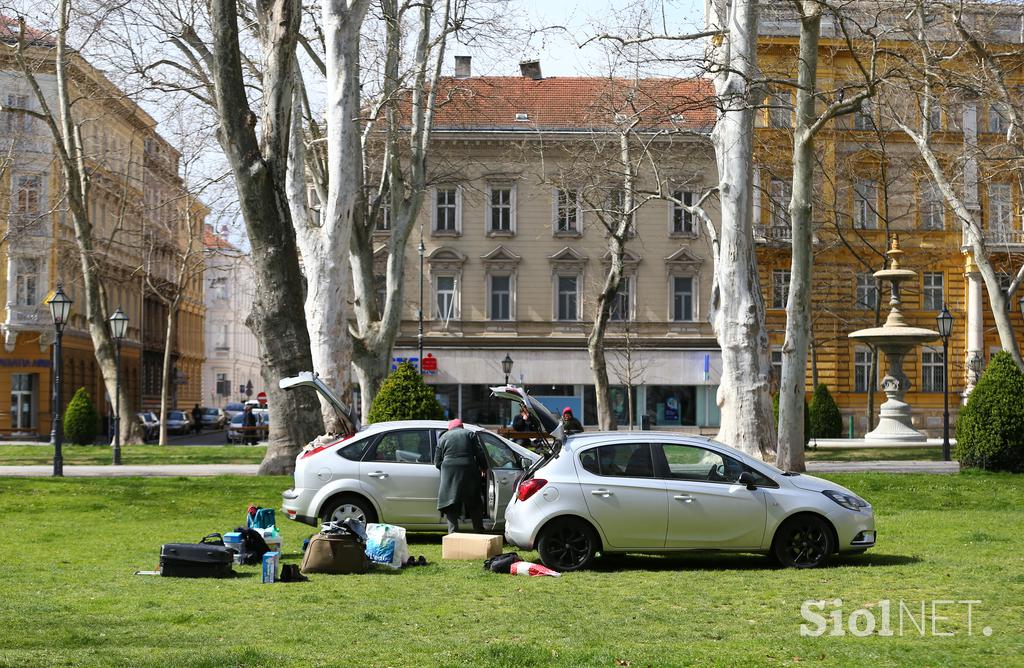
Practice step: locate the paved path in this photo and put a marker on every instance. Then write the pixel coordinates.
(910, 466)
(156, 471)
(123, 471)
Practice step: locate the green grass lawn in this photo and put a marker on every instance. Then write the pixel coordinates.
(69, 597)
(872, 454)
(24, 455)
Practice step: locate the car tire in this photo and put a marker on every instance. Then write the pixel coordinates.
(340, 508)
(803, 541)
(567, 545)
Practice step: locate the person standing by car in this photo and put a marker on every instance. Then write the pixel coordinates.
(460, 458)
(249, 436)
(197, 419)
(524, 422)
(570, 425)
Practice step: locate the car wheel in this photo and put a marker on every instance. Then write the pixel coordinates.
(347, 506)
(804, 541)
(567, 545)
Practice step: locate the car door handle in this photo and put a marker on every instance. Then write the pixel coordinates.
(685, 498)
(378, 474)
(601, 492)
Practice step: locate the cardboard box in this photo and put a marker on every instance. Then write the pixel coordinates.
(470, 546)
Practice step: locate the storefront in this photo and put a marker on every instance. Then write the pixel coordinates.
(671, 389)
(25, 379)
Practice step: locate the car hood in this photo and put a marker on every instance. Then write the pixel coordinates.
(537, 410)
(811, 483)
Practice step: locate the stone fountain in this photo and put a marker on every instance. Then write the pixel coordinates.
(895, 338)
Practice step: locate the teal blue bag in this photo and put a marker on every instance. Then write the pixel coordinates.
(263, 518)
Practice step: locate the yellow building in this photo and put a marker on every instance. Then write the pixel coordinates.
(138, 210)
(871, 182)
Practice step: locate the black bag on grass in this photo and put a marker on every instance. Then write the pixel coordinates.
(208, 558)
(502, 563)
(253, 546)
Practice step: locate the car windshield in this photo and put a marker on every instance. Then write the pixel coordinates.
(175, 415)
(234, 407)
(237, 419)
(209, 411)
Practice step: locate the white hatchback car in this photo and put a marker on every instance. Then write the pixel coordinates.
(662, 492)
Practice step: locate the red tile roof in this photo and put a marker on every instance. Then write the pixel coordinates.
(573, 103)
(214, 241)
(9, 31)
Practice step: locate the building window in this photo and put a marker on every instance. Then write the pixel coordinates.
(567, 213)
(567, 308)
(862, 381)
(863, 118)
(867, 292)
(223, 385)
(500, 299)
(384, 219)
(17, 123)
(620, 306)
(682, 298)
(865, 201)
(444, 298)
(1000, 202)
(500, 209)
(23, 399)
(380, 289)
(931, 370)
(780, 288)
(781, 194)
(683, 222)
(933, 296)
(219, 288)
(996, 120)
(28, 195)
(780, 109)
(933, 209)
(935, 116)
(776, 359)
(26, 280)
(446, 210)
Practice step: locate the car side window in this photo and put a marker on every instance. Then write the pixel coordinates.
(689, 462)
(411, 446)
(355, 451)
(624, 460)
(498, 453)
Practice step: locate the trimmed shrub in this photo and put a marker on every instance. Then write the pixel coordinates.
(990, 429)
(826, 420)
(807, 417)
(80, 419)
(404, 396)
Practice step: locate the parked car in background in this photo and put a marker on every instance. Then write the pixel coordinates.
(178, 422)
(213, 418)
(237, 434)
(386, 473)
(233, 409)
(665, 492)
(150, 425)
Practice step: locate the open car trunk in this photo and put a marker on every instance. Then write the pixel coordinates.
(311, 379)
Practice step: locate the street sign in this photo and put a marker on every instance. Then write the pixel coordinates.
(261, 397)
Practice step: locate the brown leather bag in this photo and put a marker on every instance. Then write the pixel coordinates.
(336, 554)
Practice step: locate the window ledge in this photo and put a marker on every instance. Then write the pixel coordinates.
(445, 233)
(500, 233)
(567, 234)
(381, 233)
(682, 235)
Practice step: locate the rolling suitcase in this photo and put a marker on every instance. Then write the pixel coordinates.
(208, 558)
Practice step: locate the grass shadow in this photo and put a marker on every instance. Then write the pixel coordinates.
(711, 561)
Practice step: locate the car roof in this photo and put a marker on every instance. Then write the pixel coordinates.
(378, 427)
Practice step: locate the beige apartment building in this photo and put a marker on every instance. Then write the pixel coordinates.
(524, 169)
(141, 220)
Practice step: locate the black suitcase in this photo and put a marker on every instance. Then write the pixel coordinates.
(208, 558)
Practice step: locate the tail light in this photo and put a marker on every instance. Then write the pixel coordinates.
(529, 487)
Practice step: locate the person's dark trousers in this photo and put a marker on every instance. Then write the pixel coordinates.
(452, 516)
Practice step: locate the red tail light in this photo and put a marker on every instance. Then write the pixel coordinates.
(529, 487)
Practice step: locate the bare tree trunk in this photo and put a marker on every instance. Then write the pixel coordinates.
(165, 371)
(259, 166)
(737, 305)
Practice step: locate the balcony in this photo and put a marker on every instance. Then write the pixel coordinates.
(28, 317)
(774, 235)
(1005, 238)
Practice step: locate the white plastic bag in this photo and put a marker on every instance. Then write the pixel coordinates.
(386, 545)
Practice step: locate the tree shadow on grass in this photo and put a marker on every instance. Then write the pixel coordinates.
(711, 561)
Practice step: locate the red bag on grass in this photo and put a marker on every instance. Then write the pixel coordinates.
(533, 570)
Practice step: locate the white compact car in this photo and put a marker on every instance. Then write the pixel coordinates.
(662, 492)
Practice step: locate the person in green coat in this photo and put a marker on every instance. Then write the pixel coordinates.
(460, 458)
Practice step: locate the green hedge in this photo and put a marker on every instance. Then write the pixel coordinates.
(990, 429)
(80, 419)
(826, 420)
(404, 396)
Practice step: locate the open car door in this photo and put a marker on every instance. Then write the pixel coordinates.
(343, 410)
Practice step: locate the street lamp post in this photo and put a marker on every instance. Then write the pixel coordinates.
(60, 309)
(945, 323)
(118, 327)
(506, 366)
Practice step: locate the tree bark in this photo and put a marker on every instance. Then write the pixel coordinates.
(259, 167)
(737, 304)
(165, 371)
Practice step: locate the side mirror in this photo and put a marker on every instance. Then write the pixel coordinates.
(747, 478)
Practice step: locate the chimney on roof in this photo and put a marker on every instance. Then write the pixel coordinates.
(530, 69)
(463, 67)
